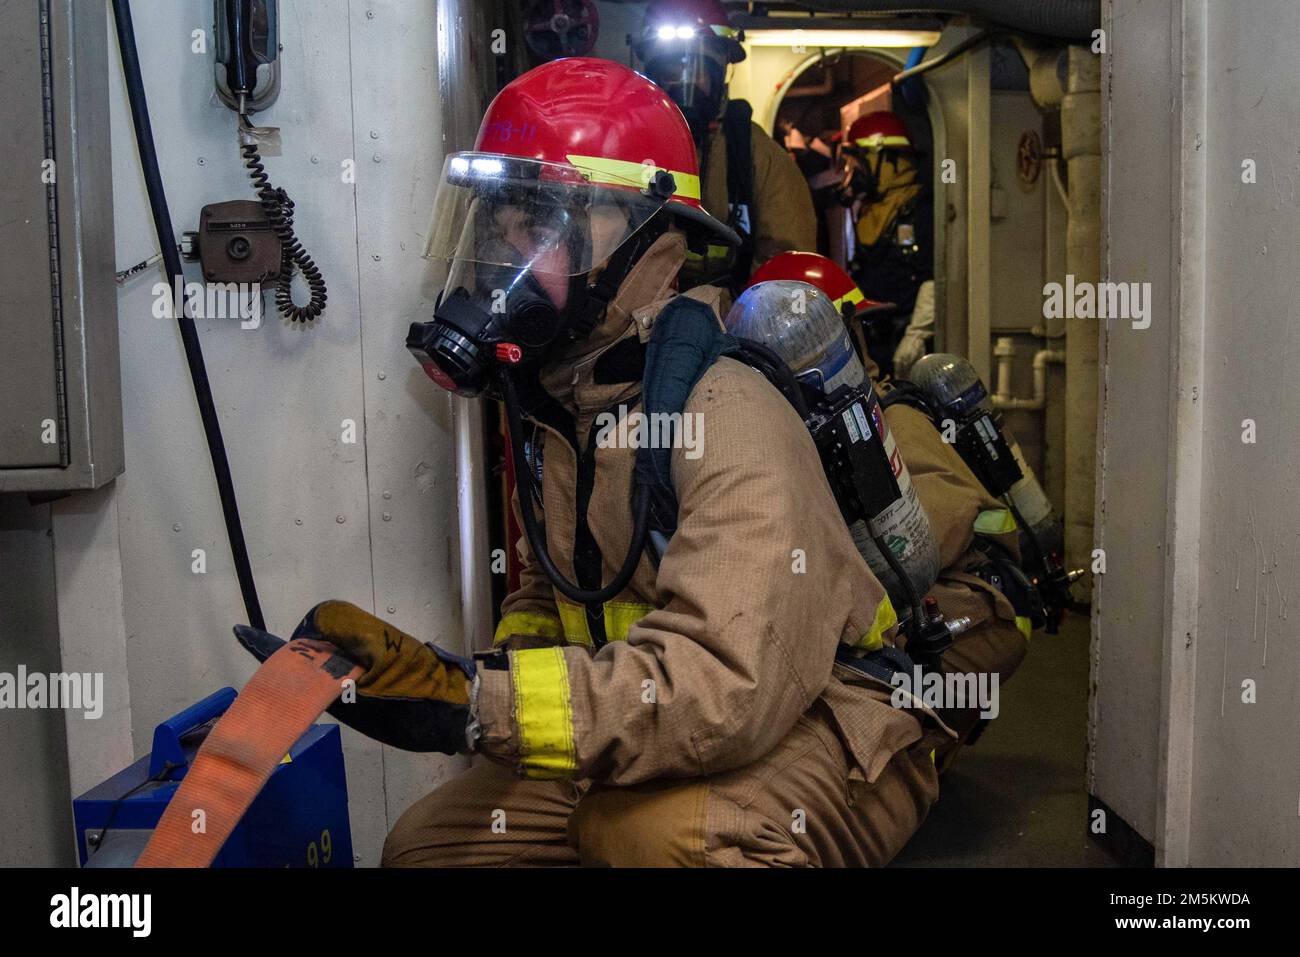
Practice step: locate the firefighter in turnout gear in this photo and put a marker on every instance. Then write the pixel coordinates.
(748, 179)
(893, 212)
(967, 522)
(634, 709)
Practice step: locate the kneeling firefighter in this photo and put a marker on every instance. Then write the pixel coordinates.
(748, 179)
(949, 391)
(681, 703)
(978, 556)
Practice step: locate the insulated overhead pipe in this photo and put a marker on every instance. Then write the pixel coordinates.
(1065, 19)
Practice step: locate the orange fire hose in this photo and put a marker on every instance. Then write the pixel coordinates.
(286, 694)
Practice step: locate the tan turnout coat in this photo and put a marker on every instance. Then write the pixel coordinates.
(719, 652)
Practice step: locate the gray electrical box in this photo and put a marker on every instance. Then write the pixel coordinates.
(60, 380)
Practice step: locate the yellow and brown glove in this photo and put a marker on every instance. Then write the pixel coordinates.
(412, 696)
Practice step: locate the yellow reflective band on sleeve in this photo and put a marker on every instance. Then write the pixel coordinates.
(543, 713)
(614, 172)
(995, 521)
(1025, 625)
(620, 616)
(537, 624)
(886, 618)
(574, 618)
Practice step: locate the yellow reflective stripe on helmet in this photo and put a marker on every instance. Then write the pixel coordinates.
(598, 169)
(876, 141)
(620, 616)
(1025, 625)
(886, 618)
(543, 712)
(995, 521)
(854, 296)
(537, 624)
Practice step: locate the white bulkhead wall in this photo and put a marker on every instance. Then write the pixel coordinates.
(1195, 668)
(364, 90)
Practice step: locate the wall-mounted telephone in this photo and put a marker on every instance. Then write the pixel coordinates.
(241, 241)
(248, 47)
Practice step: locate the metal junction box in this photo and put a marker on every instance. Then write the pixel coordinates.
(60, 380)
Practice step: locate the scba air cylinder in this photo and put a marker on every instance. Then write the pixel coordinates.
(956, 390)
(801, 325)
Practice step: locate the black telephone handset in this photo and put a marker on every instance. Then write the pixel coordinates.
(248, 44)
(239, 243)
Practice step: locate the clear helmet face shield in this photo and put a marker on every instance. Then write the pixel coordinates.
(510, 216)
(693, 75)
(521, 238)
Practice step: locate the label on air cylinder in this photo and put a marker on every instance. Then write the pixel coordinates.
(862, 419)
(851, 426)
(903, 526)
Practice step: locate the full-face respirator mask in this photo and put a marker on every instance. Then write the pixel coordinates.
(522, 239)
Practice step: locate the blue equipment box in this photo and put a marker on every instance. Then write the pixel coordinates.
(300, 819)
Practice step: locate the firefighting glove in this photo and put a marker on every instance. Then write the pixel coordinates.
(412, 696)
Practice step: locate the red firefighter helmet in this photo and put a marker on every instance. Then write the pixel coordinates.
(586, 147)
(668, 21)
(877, 130)
(816, 270)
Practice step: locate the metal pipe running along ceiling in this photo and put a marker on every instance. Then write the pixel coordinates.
(1064, 19)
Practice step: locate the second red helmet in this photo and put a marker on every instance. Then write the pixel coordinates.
(877, 130)
(816, 270)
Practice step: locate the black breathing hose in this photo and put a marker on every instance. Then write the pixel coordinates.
(537, 540)
(189, 335)
(913, 627)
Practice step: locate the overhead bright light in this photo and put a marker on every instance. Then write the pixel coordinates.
(685, 33)
(667, 33)
(842, 38)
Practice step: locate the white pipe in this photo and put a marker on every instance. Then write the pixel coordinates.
(1042, 359)
(471, 508)
(1005, 351)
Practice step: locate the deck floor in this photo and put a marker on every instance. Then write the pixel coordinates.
(1017, 798)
